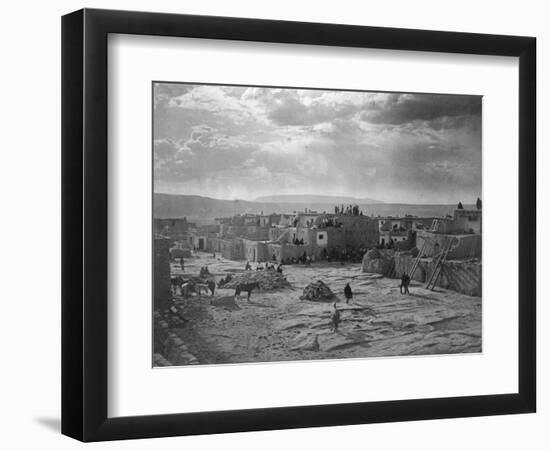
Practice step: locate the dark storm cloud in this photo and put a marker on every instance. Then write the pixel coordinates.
(403, 108)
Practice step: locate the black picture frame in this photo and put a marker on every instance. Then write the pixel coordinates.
(84, 224)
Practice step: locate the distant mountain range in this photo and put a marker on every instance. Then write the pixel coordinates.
(203, 210)
(315, 199)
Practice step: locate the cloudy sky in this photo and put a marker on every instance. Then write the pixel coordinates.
(233, 142)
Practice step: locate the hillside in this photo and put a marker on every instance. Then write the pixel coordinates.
(316, 199)
(205, 209)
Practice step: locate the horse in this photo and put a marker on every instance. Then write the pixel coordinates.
(246, 287)
(212, 286)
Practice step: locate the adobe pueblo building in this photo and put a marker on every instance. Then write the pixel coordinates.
(438, 251)
(445, 254)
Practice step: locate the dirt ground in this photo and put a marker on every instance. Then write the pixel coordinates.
(278, 326)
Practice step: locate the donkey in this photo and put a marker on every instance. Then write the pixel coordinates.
(175, 283)
(208, 285)
(246, 287)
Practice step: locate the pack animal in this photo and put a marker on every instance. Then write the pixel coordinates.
(176, 283)
(209, 285)
(246, 287)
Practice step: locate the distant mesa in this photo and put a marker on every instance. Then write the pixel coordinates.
(313, 199)
(203, 210)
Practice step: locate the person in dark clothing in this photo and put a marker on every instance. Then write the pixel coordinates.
(182, 264)
(404, 287)
(334, 319)
(407, 282)
(348, 293)
(403, 282)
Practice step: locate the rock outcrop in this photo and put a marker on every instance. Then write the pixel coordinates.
(378, 261)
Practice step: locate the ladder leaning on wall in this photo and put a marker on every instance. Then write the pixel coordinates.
(432, 279)
(417, 260)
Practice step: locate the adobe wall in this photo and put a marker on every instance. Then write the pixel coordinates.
(284, 251)
(255, 250)
(173, 228)
(465, 246)
(232, 249)
(460, 276)
(276, 233)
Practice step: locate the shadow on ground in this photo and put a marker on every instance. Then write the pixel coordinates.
(52, 423)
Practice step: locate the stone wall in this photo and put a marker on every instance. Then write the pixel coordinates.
(462, 276)
(161, 274)
(168, 348)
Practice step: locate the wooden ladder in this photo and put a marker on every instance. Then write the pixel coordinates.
(417, 261)
(432, 280)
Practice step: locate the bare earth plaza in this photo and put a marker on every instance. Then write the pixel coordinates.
(269, 245)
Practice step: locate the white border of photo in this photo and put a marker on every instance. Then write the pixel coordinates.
(135, 388)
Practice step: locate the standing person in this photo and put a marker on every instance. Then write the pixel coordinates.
(403, 284)
(348, 293)
(182, 264)
(334, 319)
(407, 282)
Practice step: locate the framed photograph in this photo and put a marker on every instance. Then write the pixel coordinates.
(273, 224)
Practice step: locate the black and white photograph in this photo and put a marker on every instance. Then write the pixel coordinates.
(295, 224)
(275, 225)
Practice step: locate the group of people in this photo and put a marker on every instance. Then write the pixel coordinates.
(204, 272)
(267, 266)
(304, 258)
(329, 222)
(352, 210)
(343, 255)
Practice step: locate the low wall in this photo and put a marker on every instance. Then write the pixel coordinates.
(180, 253)
(168, 348)
(462, 276)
